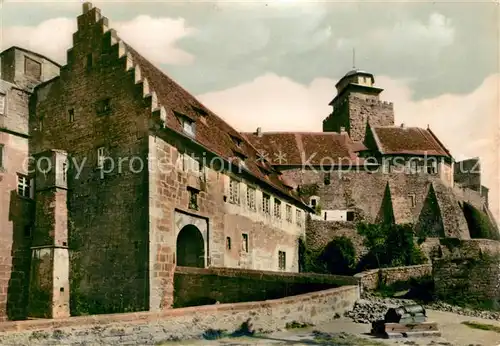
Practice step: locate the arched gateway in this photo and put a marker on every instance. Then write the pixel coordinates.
(190, 247)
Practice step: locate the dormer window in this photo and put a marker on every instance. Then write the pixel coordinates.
(188, 127)
(237, 141)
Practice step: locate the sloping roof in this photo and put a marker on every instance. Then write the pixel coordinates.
(408, 141)
(212, 132)
(298, 148)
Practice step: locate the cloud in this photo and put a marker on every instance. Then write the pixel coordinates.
(51, 37)
(468, 125)
(156, 38)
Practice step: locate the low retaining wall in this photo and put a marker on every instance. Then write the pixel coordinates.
(148, 328)
(197, 286)
(468, 279)
(371, 279)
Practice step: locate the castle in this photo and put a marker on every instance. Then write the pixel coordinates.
(111, 175)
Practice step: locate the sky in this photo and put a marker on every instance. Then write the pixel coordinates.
(274, 64)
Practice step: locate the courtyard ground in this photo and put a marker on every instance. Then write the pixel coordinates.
(454, 333)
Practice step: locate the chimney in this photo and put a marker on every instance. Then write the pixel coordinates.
(259, 132)
(402, 125)
(87, 6)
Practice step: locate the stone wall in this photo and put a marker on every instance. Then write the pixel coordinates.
(372, 279)
(147, 328)
(222, 224)
(353, 111)
(107, 208)
(15, 211)
(196, 286)
(422, 199)
(320, 233)
(468, 279)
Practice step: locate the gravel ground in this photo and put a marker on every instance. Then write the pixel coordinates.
(372, 308)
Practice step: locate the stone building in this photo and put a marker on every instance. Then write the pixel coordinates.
(363, 167)
(113, 174)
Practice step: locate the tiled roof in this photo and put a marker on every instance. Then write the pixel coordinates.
(298, 148)
(408, 140)
(212, 132)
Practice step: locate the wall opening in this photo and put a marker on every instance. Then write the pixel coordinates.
(190, 247)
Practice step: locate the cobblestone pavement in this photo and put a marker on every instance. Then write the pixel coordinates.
(454, 333)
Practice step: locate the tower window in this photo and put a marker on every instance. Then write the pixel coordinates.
(228, 243)
(193, 199)
(23, 186)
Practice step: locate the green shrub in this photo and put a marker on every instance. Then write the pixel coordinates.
(389, 245)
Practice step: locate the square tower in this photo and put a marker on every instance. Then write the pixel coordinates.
(357, 103)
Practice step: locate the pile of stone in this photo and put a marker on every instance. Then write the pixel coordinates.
(372, 308)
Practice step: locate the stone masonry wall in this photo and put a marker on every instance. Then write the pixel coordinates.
(15, 211)
(215, 218)
(372, 279)
(364, 192)
(353, 113)
(196, 286)
(320, 233)
(147, 328)
(107, 208)
(469, 278)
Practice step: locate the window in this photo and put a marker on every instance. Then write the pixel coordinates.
(101, 156)
(71, 114)
(277, 208)
(23, 186)
(313, 202)
(32, 68)
(228, 243)
(1, 156)
(298, 216)
(266, 200)
(234, 191)
(2, 104)
(412, 200)
(103, 106)
(244, 238)
(431, 167)
(193, 199)
(89, 62)
(251, 198)
(188, 127)
(350, 216)
(288, 213)
(413, 166)
(327, 178)
(282, 260)
(27, 231)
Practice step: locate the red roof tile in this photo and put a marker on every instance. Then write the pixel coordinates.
(297, 148)
(408, 140)
(212, 132)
